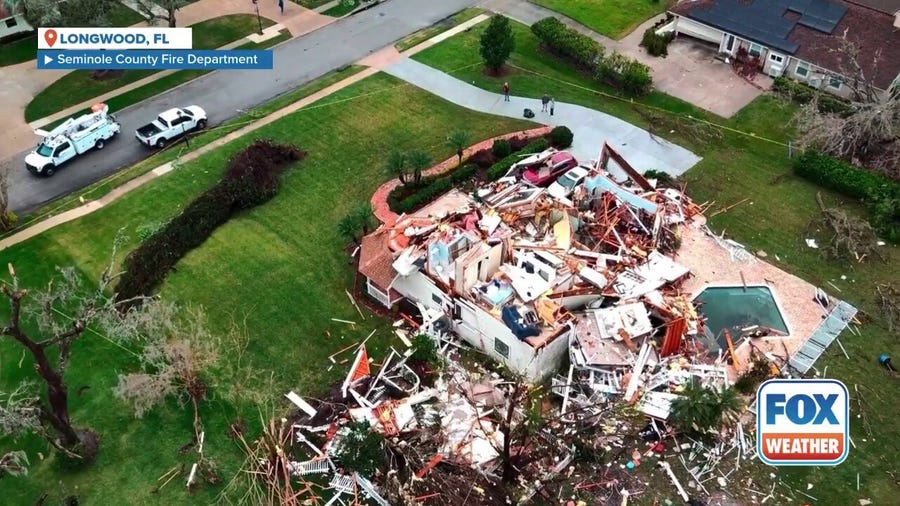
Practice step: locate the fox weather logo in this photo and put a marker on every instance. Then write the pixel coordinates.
(803, 422)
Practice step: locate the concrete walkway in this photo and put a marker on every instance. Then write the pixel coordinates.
(591, 128)
(19, 84)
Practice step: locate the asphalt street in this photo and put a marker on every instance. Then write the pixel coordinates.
(223, 93)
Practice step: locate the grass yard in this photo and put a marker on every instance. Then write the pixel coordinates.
(279, 268)
(25, 49)
(343, 8)
(735, 167)
(438, 28)
(613, 18)
(311, 4)
(78, 86)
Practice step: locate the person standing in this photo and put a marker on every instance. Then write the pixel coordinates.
(281, 5)
(544, 101)
(506, 92)
(552, 105)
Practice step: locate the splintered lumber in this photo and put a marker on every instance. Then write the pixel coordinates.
(342, 350)
(353, 301)
(681, 492)
(429, 466)
(734, 358)
(193, 475)
(348, 322)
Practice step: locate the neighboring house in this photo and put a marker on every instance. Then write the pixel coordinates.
(801, 39)
(10, 23)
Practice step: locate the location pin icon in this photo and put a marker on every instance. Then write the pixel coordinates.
(50, 37)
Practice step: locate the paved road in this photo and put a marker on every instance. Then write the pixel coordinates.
(222, 93)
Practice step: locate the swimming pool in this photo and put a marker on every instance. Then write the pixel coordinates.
(738, 307)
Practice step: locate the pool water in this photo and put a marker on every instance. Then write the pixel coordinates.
(737, 307)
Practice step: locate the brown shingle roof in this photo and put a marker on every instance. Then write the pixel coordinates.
(376, 260)
(872, 32)
(886, 6)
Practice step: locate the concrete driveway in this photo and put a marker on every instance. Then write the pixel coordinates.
(692, 73)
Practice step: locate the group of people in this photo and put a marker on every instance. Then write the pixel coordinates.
(547, 102)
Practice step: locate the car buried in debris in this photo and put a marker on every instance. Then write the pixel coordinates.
(546, 173)
(565, 184)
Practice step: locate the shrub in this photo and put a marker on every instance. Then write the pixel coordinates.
(580, 49)
(501, 148)
(561, 137)
(663, 179)
(501, 167)
(625, 74)
(482, 158)
(251, 178)
(147, 230)
(361, 449)
(881, 194)
(803, 94)
(657, 44)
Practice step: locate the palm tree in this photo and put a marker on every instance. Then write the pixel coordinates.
(395, 165)
(458, 141)
(357, 222)
(700, 409)
(418, 160)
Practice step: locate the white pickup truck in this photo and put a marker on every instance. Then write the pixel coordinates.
(74, 137)
(170, 125)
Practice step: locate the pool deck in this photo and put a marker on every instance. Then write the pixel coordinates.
(712, 264)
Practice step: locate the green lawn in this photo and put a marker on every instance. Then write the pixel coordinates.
(735, 167)
(25, 49)
(311, 4)
(438, 28)
(345, 7)
(279, 267)
(78, 86)
(613, 18)
(168, 82)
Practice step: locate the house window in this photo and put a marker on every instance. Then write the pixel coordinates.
(501, 347)
(802, 69)
(11, 22)
(834, 82)
(437, 299)
(777, 58)
(755, 49)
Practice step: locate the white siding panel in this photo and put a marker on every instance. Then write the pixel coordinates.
(699, 31)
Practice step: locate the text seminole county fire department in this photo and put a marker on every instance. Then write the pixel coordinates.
(151, 60)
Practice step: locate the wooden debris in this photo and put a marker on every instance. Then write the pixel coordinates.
(348, 322)
(353, 301)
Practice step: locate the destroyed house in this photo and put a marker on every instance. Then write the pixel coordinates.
(527, 278)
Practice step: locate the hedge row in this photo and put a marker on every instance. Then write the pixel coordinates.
(582, 50)
(435, 186)
(625, 74)
(879, 193)
(251, 178)
(803, 94)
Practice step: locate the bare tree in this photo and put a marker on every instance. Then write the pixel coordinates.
(46, 324)
(63, 12)
(173, 362)
(160, 10)
(869, 134)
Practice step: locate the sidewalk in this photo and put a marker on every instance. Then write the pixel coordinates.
(19, 84)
